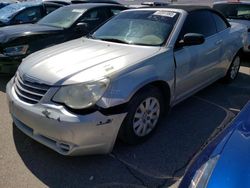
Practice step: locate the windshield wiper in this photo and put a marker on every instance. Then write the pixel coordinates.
(114, 40)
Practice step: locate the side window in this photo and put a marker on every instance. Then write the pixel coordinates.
(97, 15)
(220, 23)
(200, 22)
(115, 11)
(28, 15)
(50, 8)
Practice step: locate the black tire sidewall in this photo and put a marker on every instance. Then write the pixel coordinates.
(126, 133)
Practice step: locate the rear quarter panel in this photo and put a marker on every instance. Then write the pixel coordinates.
(234, 40)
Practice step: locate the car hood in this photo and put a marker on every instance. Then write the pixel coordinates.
(11, 32)
(232, 169)
(82, 60)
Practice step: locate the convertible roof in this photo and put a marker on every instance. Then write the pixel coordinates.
(188, 8)
(191, 8)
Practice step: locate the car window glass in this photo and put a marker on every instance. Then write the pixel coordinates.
(63, 17)
(200, 22)
(50, 8)
(95, 15)
(220, 23)
(234, 11)
(144, 27)
(115, 11)
(29, 15)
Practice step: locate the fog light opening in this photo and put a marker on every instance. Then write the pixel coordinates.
(64, 147)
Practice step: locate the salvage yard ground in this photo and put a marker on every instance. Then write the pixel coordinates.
(159, 162)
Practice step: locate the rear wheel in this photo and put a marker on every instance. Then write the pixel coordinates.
(233, 69)
(144, 112)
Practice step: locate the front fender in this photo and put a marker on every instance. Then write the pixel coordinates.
(122, 88)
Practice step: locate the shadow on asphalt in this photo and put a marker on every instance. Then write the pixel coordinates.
(159, 161)
(3, 82)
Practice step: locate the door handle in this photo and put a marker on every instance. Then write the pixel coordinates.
(218, 42)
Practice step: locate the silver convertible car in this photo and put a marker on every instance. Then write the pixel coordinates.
(79, 97)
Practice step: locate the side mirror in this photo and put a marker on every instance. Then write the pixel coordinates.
(81, 26)
(191, 39)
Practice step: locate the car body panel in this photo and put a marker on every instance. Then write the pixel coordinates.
(232, 169)
(232, 145)
(246, 23)
(102, 57)
(63, 131)
(10, 33)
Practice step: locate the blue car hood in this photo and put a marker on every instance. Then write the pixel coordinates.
(233, 168)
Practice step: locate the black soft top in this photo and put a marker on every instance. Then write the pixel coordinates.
(189, 8)
(193, 8)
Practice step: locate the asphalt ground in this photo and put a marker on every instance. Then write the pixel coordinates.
(159, 162)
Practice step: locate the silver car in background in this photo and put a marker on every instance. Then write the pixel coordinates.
(78, 97)
(236, 11)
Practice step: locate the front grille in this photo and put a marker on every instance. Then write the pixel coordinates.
(29, 91)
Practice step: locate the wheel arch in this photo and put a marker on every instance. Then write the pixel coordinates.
(163, 87)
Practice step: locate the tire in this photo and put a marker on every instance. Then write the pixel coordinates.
(233, 70)
(142, 118)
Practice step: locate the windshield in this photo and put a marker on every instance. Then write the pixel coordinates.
(3, 5)
(234, 11)
(145, 27)
(63, 17)
(9, 11)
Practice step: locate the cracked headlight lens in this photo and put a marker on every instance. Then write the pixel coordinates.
(81, 96)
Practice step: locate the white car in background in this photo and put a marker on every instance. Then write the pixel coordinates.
(236, 11)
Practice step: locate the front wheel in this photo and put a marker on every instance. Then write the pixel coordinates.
(233, 69)
(144, 112)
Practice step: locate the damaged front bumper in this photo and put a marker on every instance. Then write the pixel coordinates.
(65, 132)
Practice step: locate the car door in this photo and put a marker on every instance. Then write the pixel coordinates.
(224, 35)
(28, 15)
(196, 65)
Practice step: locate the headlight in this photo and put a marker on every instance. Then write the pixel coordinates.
(16, 50)
(81, 96)
(203, 174)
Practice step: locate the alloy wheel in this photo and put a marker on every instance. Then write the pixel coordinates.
(146, 116)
